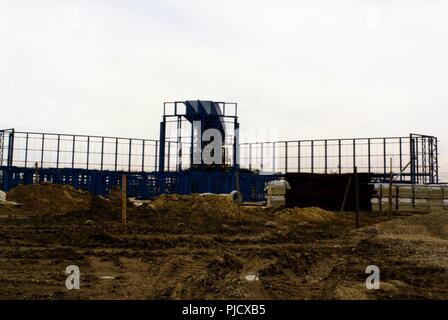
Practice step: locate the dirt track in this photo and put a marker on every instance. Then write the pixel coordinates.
(180, 251)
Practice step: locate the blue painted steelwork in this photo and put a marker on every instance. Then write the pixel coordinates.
(101, 175)
(200, 116)
(221, 116)
(142, 185)
(96, 163)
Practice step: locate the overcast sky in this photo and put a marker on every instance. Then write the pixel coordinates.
(309, 69)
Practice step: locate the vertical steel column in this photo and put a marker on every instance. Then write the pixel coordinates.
(26, 149)
(88, 152)
(354, 155)
(412, 158)
(42, 151)
(250, 156)
(102, 153)
(436, 166)
(312, 156)
(10, 160)
(286, 157)
(273, 157)
(261, 159)
(179, 142)
(326, 157)
(425, 158)
(162, 146)
(384, 159)
(431, 159)
(116, 154)
(339, 156)
(73, 151)
(368, 155)
(2, 145)
(143, 155)
(130, 155)
(236, 144)
(156, 155)
(57, 151)
(417, 165)
(162, 181)
(401, 158)
(192, 146)
(298, 156)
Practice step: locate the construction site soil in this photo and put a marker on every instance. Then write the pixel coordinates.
(204, 247)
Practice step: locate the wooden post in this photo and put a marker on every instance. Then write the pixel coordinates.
(36, 182)
(356, 197)
(123, 199)
(389, 209)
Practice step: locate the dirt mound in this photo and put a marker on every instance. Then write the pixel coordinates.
(418, 227)
(48, 198)
(311, 214)
(216, 204)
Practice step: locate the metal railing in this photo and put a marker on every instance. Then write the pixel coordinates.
(414, 157)
(54, 150)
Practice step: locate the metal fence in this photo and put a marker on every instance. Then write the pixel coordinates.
(412, 158)
(52, 150)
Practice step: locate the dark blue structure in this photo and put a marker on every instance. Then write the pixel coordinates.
(140, 184)
(168, 165)
(152, 167)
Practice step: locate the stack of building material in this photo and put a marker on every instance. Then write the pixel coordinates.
(403, 204)
(418, 205)
(421, 198)
(275, 193)
(435, 197)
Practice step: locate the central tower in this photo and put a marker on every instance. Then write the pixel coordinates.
(192, 131)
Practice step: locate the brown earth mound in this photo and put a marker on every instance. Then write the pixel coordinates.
(432, 226)
(216, 204)
(311, 214)
(48, 198)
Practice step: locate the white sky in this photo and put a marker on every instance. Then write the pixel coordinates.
(309, 69)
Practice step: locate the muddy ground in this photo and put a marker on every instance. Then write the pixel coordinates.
(202, 248)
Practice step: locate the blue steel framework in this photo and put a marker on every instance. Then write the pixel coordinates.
(96, 163)
(414, 158)
(221, 116)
